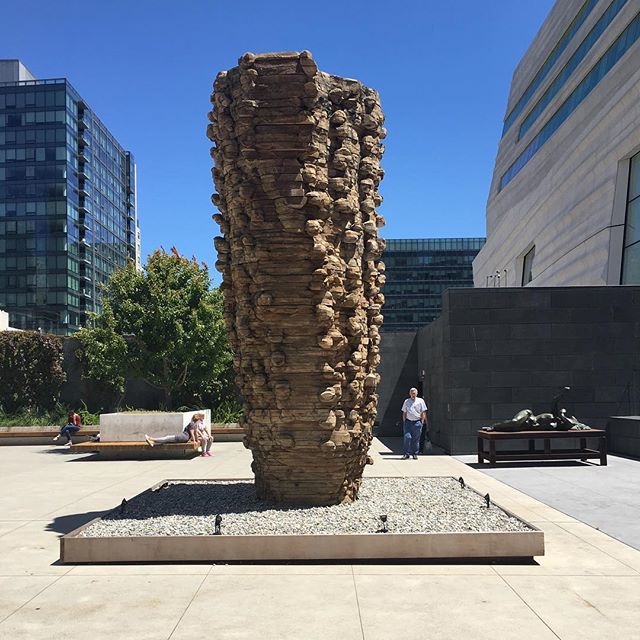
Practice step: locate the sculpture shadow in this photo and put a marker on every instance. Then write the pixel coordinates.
(67, 524)
(194, 499)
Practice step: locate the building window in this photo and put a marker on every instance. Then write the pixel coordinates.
(567, 71)
(527, 266)
(631, 251)
(621, 45)
(557, 51)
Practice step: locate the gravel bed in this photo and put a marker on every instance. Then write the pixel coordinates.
(412, 505)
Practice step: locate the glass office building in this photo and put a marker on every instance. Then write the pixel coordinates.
(67, 204)
(417, 273)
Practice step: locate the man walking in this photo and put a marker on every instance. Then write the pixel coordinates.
(414, 414)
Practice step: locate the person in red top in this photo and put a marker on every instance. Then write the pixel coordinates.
(74, 422)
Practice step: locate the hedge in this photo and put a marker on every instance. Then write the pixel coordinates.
(31, 373)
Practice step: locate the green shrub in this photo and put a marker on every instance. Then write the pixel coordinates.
(226, 412)
(31, 373)
(88, 418)
(34, 417)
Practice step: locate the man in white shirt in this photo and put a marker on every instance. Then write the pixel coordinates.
(414, 415)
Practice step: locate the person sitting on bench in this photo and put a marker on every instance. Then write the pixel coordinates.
(74, 422)
(203, 433)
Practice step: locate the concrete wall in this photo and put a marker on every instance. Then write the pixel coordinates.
(569, 200)
(125, 427)
(496, 351)
(14, 71)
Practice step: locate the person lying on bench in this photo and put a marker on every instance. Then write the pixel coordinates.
(189, 433)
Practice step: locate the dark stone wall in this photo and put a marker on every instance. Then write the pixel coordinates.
(77, 389)
(496, 351)
(398, 371)
(623, 435)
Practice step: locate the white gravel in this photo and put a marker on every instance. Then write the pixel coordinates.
(412, 505)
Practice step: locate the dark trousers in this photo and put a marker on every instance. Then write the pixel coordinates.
(68, 430)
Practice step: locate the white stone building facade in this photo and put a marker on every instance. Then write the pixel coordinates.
(562, 208)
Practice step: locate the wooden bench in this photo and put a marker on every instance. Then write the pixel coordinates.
(580, 452)
(227, 434)
(138, 450)
(44, 433)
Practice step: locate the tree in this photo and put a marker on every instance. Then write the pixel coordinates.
(165, 325)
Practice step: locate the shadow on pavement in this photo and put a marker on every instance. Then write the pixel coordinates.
(63, 451)
(395, 446)
(529, 464)
(66, 524)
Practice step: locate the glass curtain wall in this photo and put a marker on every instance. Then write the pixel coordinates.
(66, 206)
(418, 272)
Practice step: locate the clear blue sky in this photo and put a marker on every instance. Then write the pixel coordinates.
(146, 67)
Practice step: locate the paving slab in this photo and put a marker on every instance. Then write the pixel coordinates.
(142, 569)
(445, 607)
(282, 569)
(16, 591)
(584, 607)
(618, 550)
(568, 554)
(31, 549)
(119, 608)
(10, 525)
(427, 569)
(584, 585)
(275, 607)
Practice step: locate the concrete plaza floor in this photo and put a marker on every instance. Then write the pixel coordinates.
(586, 586)
(607, 498)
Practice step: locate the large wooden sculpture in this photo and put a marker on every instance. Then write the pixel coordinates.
(297, 167)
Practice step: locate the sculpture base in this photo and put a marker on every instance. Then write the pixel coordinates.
(254, 531)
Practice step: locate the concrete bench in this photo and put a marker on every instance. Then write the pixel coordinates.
(138, 450)
(579, 452)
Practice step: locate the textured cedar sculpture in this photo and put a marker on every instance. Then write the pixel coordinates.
(297, 167)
